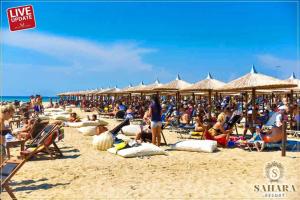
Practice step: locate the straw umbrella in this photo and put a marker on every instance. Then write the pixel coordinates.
(292, 79)
(254, 81)
(173, 86)
(147, 88)
(207, 85)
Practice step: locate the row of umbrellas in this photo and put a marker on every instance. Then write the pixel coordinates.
(250, 82)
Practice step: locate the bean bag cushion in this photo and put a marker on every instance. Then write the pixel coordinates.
(44, 117)
(53, 110)
(145, 149)
(99, 122)
(103, 142)
(88, 130)
(60, 117)
(86, 123)
(207, 146)
(131, 130)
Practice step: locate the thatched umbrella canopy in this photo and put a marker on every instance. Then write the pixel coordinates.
(147, 88)
(209, 84)
(292, 79)
(111, 91)
(136, 89)
(254, 81)
(174, 85)
(124, 90)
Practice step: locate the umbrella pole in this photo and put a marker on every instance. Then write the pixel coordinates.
(284, 139)
(263, 101)
(193, 97)
(246, 108)
(253, 107)
(209, 104)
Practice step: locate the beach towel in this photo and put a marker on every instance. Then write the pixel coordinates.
(207, 146)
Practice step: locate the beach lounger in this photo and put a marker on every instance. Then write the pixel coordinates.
(43, 145)
(294, 133)
(8, 169)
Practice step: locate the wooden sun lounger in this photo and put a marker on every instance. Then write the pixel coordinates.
(43, 145)
(8, 169)
(294, 133)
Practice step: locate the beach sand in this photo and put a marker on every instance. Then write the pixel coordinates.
(85, 173)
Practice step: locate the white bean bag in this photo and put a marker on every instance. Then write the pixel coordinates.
(69, 110)
(207, 146)
(53, 110)
(88, 130)
(44, 117)
(86, 123)
(71, 106)
(103, 141)
(145, 149)
(60, 117)
(131, 130)
(74, 124)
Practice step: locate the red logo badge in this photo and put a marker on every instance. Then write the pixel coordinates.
(20, 18)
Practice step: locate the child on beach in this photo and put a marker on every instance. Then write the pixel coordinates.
(257, 139)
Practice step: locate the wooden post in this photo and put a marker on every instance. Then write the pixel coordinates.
(263, 101)
(193, 95)
(253, 107)
(246, 108)
(209, 104)
(284, 139)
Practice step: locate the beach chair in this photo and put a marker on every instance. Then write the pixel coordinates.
(8, 169)
(294, 133)
(43, 145)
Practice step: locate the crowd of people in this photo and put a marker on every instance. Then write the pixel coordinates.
(216, 120)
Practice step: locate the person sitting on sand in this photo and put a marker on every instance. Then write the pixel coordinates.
(218, 133)
(199, 126)
(276, 134)
(257, 139)
(185, 117)
(24, 132)
(129, 113)
(147, 117)
(94, 118)
(73, 118)
(144, 135)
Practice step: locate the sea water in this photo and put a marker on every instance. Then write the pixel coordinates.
(24, 98)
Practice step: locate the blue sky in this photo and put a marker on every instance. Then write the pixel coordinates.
(91, 45)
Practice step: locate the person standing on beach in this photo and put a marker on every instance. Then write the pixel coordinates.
(155, 114)
(6, 112)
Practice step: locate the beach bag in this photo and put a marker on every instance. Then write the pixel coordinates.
(88, 130)
(131, 130)
(103, 142)
(207, 146)
(145, 149)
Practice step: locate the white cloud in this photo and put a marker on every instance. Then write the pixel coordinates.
(283, 65)
(90, 55)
